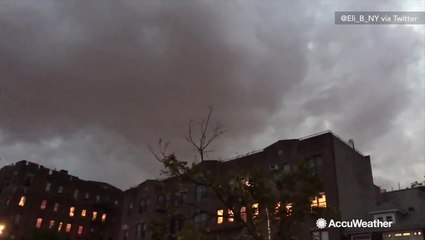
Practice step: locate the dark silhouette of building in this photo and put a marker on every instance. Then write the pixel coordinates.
(35, 198)
(346, 175)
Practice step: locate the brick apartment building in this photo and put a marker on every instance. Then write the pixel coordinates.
(33, 198)
(345, 173)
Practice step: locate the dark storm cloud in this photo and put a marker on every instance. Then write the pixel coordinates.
(87, 85)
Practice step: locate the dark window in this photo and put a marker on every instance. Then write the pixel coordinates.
(176, 224)
(201, 192)
(142, 206)
(314, 163)
(140, 230)
(161, 201)
(389, 218)
(200, 218)
(286, 168)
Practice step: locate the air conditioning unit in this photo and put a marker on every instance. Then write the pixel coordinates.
(274, 167)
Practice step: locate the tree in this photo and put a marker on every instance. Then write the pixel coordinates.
(262, 205)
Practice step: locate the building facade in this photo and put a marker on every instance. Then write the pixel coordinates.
(35, 199)
(345, 173)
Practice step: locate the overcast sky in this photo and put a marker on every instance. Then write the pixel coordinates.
(88, 85)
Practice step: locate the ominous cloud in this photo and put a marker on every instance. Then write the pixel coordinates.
(88, 85)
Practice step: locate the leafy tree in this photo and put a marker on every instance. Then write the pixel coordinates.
(263, 205)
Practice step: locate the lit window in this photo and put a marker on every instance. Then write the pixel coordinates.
(71, 211)
(243, 213)
(94, 216)
(83, 213)
(56, 207)
(288, 209)
(80, 230)
(48, 185)
(39, 222)
(52, 224)
(60, 226)
(231, 216)
(103, 217)
(68, 227)
(277, 208)
(43, 205)
(22, 201)
(2, 227)
(220, 213)
(60, 189)
(256, 210)
(319, 201)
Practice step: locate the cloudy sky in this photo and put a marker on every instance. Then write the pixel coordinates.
(88, 85)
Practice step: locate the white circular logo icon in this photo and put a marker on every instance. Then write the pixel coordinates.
(321, 223)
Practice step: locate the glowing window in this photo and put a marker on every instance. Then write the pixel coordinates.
(231, 216)
(22, 201)
(68, 227)
(319, 201)
(80, 230)
(243, 213)
(288, 209)
(38, 223)
(277, 208)
(60, 226)
(94, 216)
(256, 210)
(103, 217)
(43, 205)
(52, 224)
(71, 211)
(220, 215)
(83, 213)
(2, 227)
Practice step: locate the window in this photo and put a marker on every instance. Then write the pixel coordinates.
(200, 218)
(52, 224)
(87, 196)
(71, 211)
(230, 215)
(130, 205)
(220, 216)
(22, 201)
(60, 189)
(80, 230)
(286, 168)
(389, 218)
(288, 209)
(68, 227)
(319, 201)
(142, 206)
(56, 207)
(324, 235)
(314, 163)
(103, 217)
(94, 216)
(38, 223)
(161, 201)
(97, 198)
(43, 205)
(140, 230)
(83, 213)
(60, 226)
(243, 214)
(201, 192)
(256, 210)
(17, 219)
(76, 193)
(176, 224)
(48, 186)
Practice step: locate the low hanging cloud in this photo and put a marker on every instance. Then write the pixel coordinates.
(88, 85)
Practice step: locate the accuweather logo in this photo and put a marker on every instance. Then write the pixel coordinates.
(354, 223)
